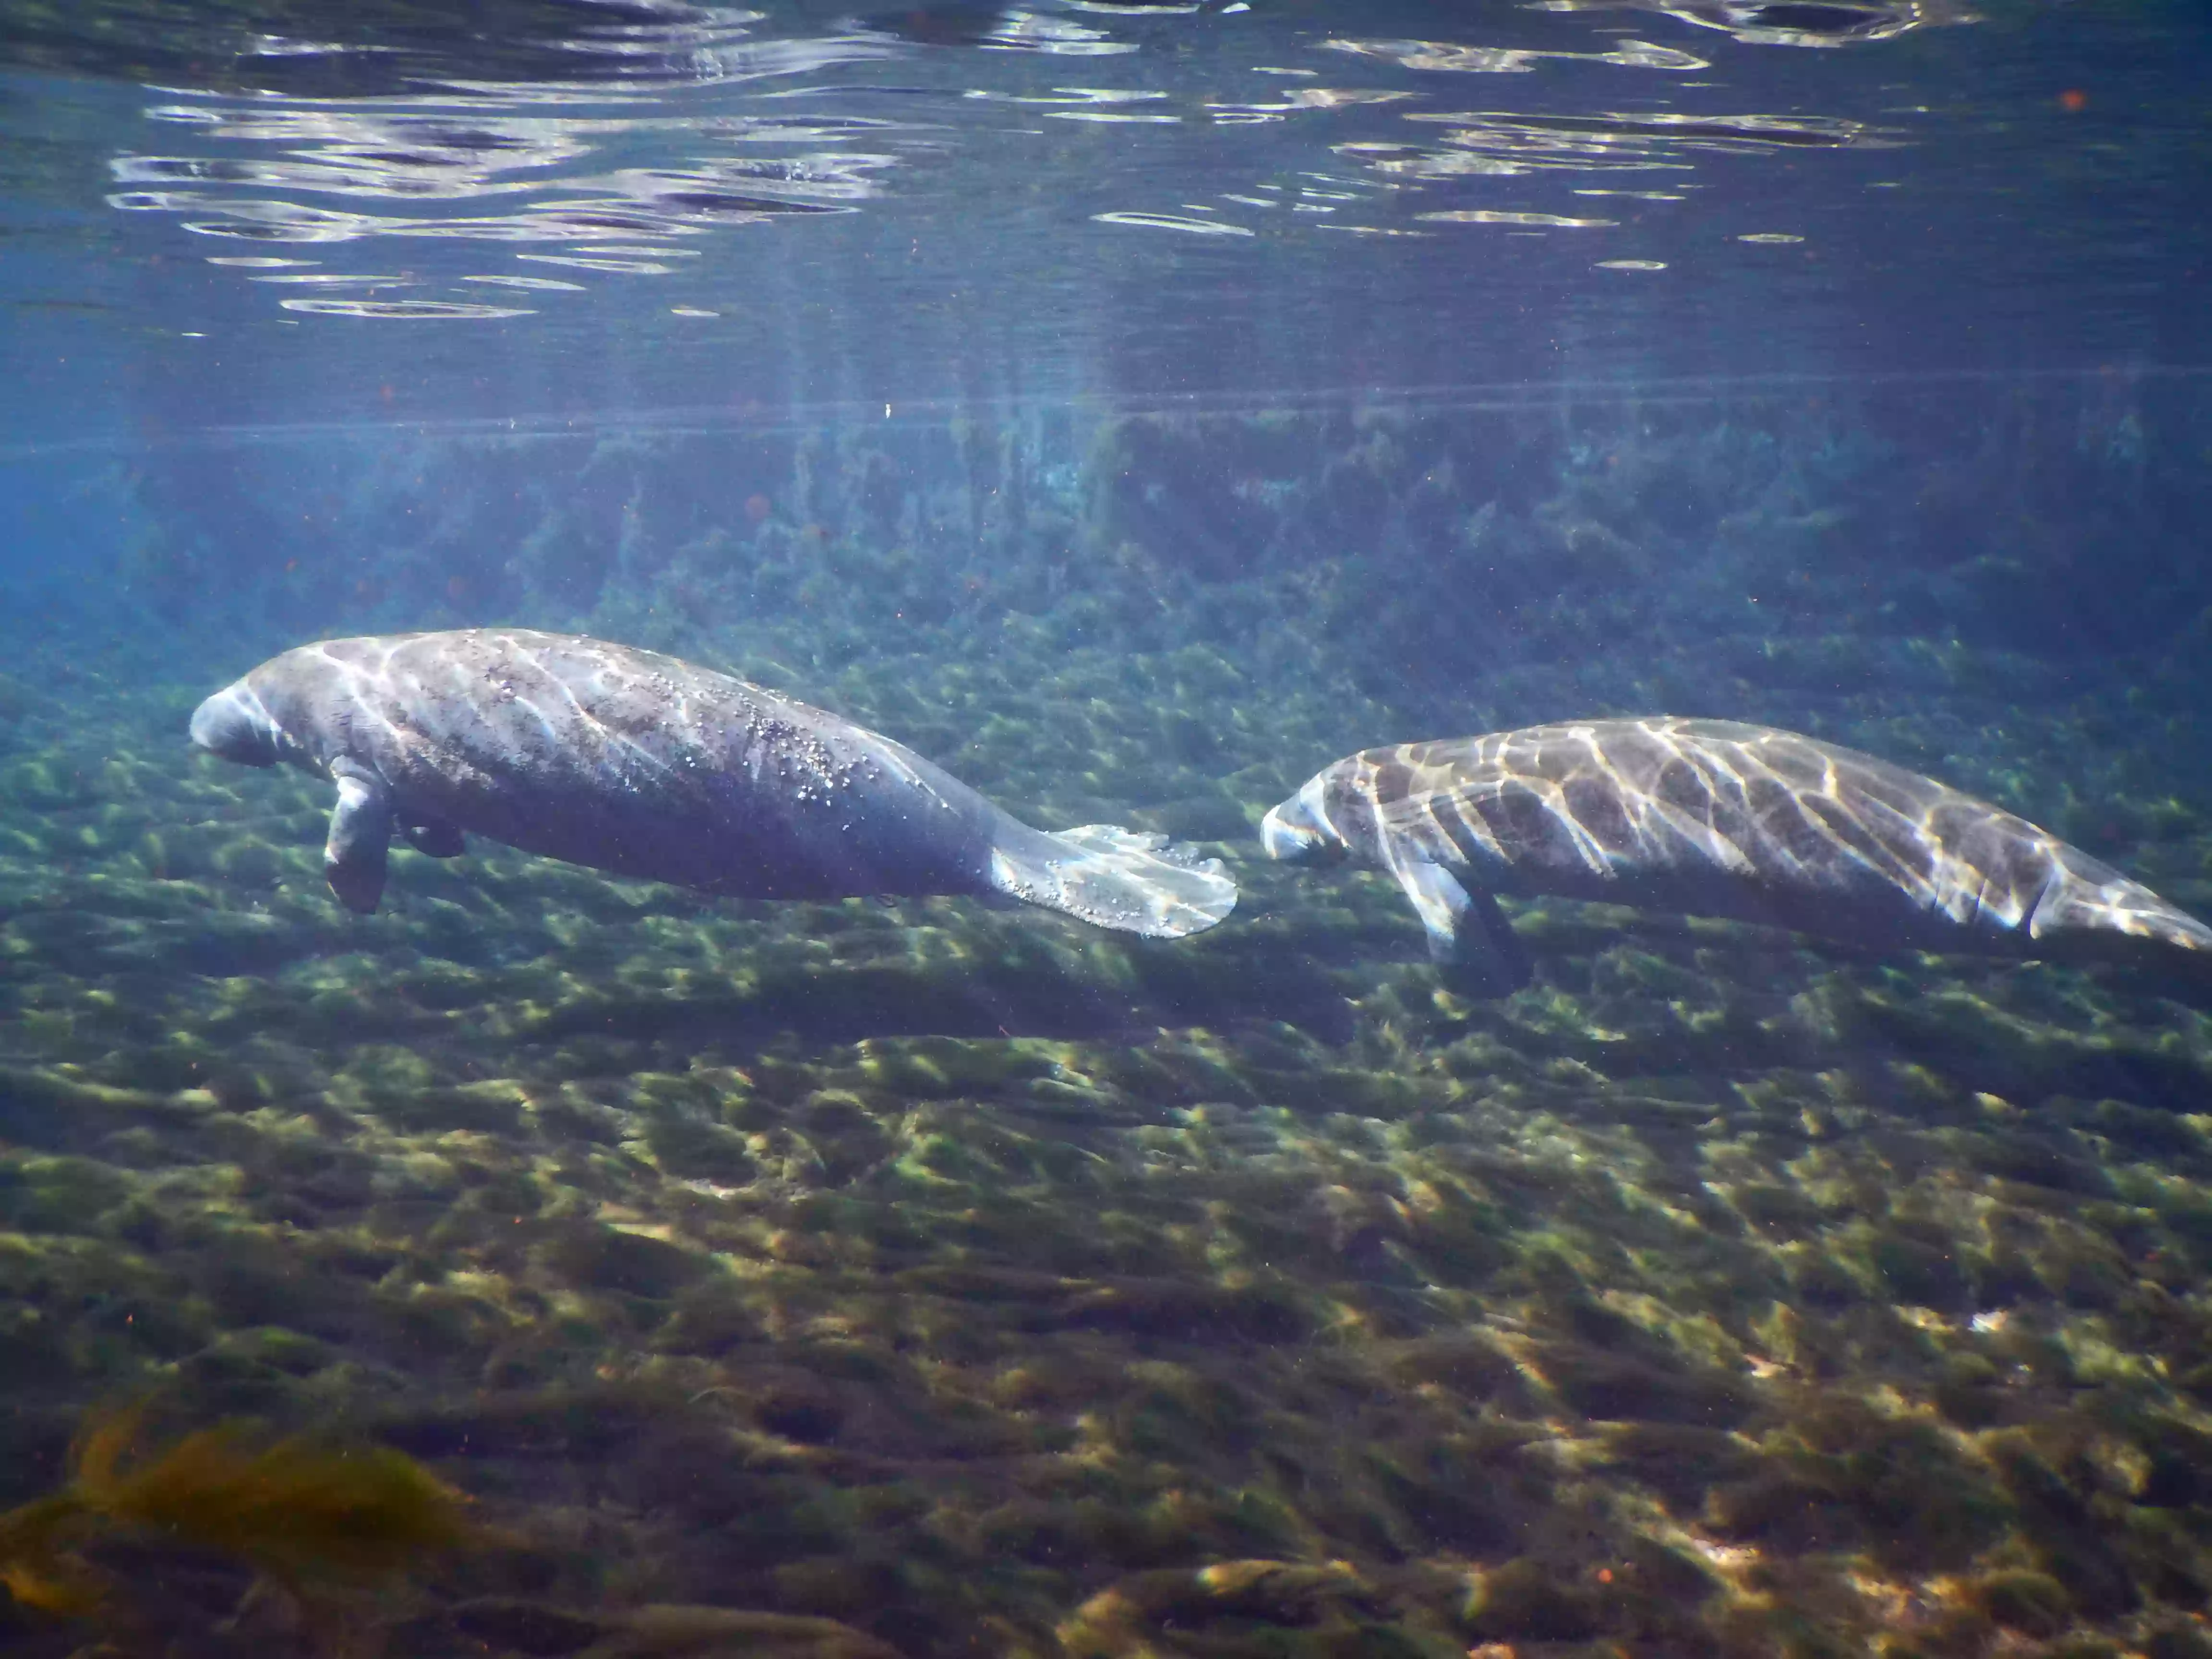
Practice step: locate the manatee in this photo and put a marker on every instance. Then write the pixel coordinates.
(1713, 817)
(643, 765)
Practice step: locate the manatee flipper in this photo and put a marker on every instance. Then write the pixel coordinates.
(435, 838)
(361, 836)
(1469, 938)
(1115, 878)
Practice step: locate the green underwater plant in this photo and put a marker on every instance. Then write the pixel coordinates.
(310, 1517)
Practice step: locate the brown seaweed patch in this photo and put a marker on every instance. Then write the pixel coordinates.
(313, 1517)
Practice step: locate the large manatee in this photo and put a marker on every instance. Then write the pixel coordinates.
(1713, 817)
(643, 765)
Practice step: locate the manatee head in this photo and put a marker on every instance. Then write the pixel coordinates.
(234, 724)
(1298, 831)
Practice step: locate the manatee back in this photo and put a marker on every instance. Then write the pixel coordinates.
(634, 763)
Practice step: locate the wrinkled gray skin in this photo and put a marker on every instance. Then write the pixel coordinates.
(1714, 817)
(643, 765)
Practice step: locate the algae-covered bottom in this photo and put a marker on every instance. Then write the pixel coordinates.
(832, 1278)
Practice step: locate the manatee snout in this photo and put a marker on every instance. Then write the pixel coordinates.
(234, 725)
(1298, 831)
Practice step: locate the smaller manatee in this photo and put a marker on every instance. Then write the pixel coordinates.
(1718, 818)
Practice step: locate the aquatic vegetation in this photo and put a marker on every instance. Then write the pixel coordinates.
(967, 1279)
(312, 1517)
(655, 1631)
(1321, 1603)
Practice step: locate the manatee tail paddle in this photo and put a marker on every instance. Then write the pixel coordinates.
(1117, 879)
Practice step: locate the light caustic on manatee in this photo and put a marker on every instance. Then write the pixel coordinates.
(1713, 817)
(643, 765)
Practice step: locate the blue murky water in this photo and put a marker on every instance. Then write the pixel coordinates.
(1133, 410)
